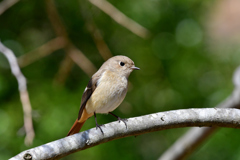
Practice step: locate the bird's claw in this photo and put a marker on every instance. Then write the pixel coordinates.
(99, 126)
(124, 120)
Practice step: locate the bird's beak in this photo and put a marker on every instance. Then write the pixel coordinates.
(135, 68)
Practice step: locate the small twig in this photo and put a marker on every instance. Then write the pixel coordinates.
(139, 125)
(189, 142)
(60, 30)
(42, 51)
(121, 18)
(64, 70)
(95, 32)
(98, 39)
(82, 61)
(22, 86)
(72, 51)
(55, 19)
(6, 4)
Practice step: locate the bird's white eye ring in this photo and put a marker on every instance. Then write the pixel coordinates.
(121, 63)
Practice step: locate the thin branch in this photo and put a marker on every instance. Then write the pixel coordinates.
(139, 125)
(98, 40)
(64, 69)
(121, 18)
(95, 32)
(184, 147)
(55, 19)
(6, 4)
(189, 142)
(70, 49)
(42, 51)
(22, 86)
(58, 26)
(82, 61)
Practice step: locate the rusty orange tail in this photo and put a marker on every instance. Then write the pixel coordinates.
(76, 127)
(79, 123)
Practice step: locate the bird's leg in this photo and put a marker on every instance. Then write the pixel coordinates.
(97, 125)
(120, 119)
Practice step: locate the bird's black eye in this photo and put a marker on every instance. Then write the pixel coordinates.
(122, 63)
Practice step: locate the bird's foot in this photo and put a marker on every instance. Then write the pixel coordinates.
(99, 126)
(124, 120)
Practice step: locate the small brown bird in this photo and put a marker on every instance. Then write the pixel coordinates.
(105, 91)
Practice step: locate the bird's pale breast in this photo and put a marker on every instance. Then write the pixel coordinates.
(110, 92)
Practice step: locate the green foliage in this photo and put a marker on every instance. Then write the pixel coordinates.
(178, 71)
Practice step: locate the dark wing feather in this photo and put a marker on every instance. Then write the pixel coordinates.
(92, 85)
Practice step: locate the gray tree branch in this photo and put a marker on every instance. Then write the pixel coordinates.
(211, 117)
(22, 87)
(189, 142)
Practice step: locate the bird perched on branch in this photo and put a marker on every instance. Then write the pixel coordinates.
(105, 91)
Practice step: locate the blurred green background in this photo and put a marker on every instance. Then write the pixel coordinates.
(186, 62)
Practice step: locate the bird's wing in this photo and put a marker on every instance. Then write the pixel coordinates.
(92, 85)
